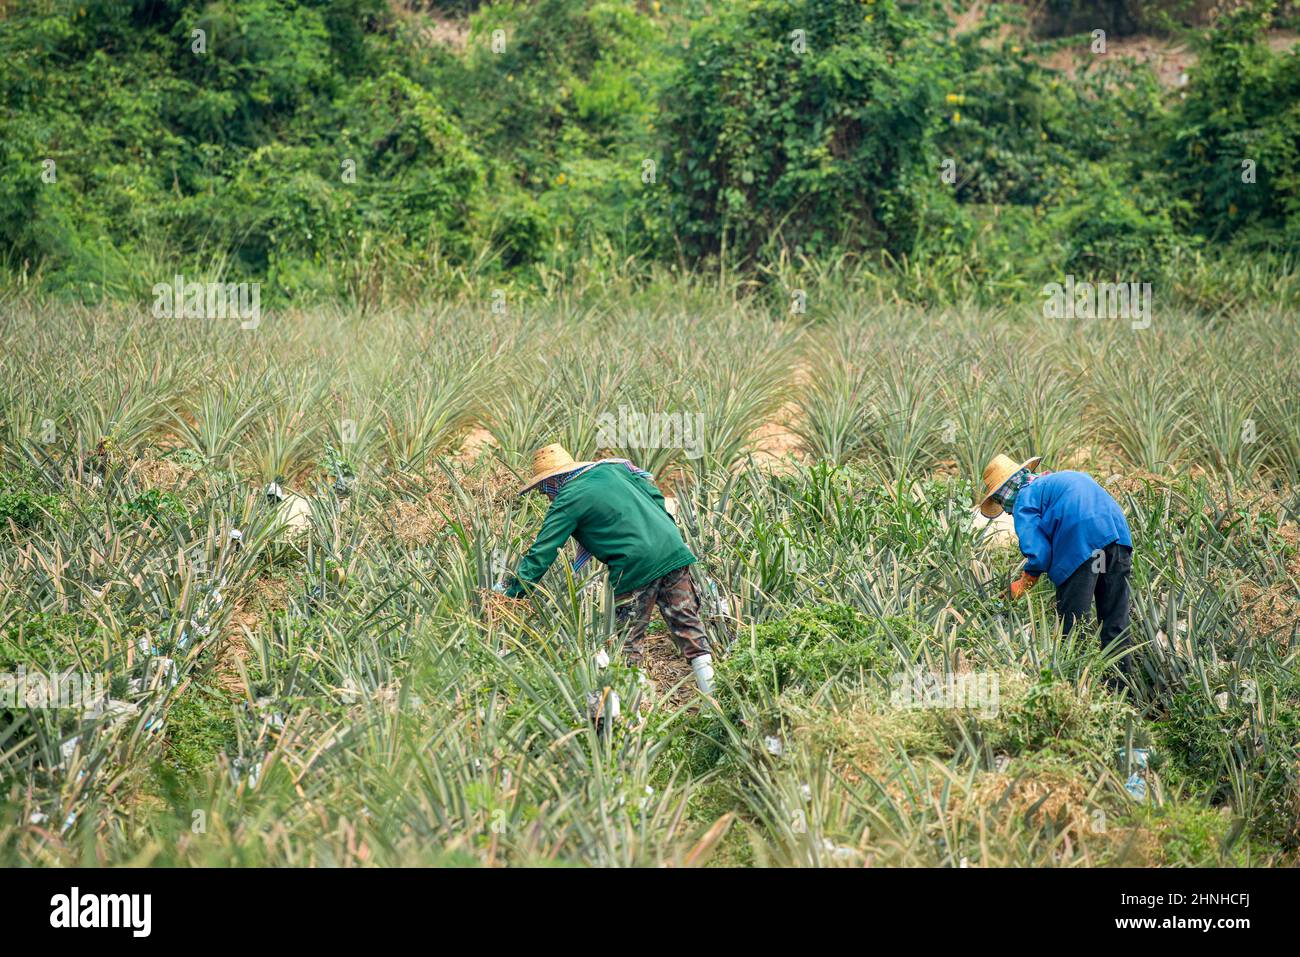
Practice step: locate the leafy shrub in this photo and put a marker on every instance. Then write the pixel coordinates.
(42, 640)
(1106, 230)
(1243, 752)
(1048, 715)
(200, 726)
(803, 650)
(1242, 107)
(809, 149)
(153, 505)
(22, 503)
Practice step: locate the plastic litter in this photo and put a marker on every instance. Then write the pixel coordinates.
(1140, 760)
(716, 604)
(839, 853)
(1136, 785)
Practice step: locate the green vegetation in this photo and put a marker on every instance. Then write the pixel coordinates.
(23, 502)
(481, 228)
(367, 702)
(332, 149)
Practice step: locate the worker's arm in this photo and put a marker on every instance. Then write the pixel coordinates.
(1034, 543)
(556, 528)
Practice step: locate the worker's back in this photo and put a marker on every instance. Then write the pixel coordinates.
(1062, 518)
(619, 517)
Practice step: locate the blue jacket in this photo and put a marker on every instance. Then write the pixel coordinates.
(1062, 518)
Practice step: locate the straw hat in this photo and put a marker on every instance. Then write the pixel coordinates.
(548, 462)
(996, 473)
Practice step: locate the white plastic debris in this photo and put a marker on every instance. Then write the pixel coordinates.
(275, 719)
(1136, 785)
(602, 659)
(168, 669)
(351, 692)
(839, 853)
(67, 749)
(113, 712)
(246, 771)
(774, 745)
(716, 604)
(1140, 760)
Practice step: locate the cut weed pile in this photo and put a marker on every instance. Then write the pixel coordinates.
(352, 692)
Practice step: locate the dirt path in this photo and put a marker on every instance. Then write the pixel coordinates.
(1168, 57)
(775, 445)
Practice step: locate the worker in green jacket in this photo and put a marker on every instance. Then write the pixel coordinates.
(617, 514)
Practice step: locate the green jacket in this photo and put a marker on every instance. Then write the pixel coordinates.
(620, 518)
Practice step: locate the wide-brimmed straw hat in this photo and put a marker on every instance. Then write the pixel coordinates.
(996, 473)
(548, 462)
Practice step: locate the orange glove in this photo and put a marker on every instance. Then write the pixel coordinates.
(1022, 584)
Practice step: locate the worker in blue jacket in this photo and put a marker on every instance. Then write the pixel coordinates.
(1072, 530)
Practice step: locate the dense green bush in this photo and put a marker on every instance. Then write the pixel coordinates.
(331, 147)
(811, 124)
(804, 650)
(1233, 146)
(24, 501)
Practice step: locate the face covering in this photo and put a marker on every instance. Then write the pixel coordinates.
(1006, 495)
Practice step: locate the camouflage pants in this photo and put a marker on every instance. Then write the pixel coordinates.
(679, 604)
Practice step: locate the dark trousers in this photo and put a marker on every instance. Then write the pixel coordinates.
(1103, 580)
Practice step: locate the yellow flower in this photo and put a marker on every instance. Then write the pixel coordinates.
(956, 98)
(655, 5)
(560, 180)
(956, 117)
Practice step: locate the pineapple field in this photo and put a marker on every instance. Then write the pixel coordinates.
(274, 548)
